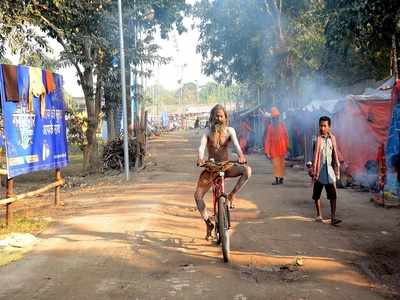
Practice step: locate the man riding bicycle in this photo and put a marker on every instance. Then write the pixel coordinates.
(217, 139)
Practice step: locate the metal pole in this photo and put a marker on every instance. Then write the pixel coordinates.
(133, 96)
(181, 96)
(123, 85)
(197, 91)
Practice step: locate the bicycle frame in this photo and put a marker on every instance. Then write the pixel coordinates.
(218, 189)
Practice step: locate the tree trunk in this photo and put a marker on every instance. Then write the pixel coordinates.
(93, 106)
(110, 115)
(110, 126)
(395, 57)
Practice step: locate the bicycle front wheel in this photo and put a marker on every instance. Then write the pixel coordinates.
(223, 227)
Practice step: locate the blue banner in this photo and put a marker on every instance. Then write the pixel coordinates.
(34, 141)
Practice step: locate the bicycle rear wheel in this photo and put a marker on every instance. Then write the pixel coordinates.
(223, 227)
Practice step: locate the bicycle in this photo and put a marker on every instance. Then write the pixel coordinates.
(220, 204)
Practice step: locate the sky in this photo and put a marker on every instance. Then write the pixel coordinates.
(182, 50)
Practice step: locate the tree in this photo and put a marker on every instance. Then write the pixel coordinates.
(359, 37)
(83, 29)
(189, 92)
(213, 93)
(266, 45)
(233, 35)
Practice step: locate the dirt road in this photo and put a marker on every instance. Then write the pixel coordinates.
(144, 240)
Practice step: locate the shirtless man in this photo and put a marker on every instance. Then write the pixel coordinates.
(217, 139)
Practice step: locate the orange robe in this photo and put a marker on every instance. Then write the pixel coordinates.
(276, 147)
(277, 141)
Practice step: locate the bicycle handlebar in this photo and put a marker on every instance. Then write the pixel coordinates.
(221, 163)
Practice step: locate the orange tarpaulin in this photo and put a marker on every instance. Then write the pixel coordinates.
(360, 128)
(244, 133)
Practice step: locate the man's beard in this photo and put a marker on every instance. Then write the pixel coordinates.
(218, 133)
(220, 127)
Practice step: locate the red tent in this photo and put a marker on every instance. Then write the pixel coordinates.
(361, 126)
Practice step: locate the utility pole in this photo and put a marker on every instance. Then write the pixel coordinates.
(222, 94)
(123, 93)
(197, 91)
(182, 85)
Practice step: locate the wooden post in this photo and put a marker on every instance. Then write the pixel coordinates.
(57, 188)
(9, 206)
(394, 63)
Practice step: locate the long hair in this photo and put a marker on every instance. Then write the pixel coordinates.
(213, 114)
(217, 131)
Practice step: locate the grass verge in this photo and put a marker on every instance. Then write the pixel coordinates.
(33, 226)
(24, 225)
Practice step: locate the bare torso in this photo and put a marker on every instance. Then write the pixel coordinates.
(218, 146)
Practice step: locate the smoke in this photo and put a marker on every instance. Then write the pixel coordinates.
(315, 88)
(281, 60)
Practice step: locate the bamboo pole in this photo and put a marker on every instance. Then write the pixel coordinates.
(57, 188)
(11, 199)
(9, 208)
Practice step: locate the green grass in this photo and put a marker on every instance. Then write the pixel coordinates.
(24, 225)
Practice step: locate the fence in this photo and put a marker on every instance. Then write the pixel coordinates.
(11, 197)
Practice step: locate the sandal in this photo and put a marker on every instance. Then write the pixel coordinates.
(319, 219)
(335, 222)
(231, 204)
(210, 227)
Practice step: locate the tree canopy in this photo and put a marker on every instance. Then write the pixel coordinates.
(359, 38)
(276, 47)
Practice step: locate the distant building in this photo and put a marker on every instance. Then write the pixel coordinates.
(80, 103)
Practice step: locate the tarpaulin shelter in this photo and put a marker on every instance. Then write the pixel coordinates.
(393, 143)
(361, 127)
(360, 123)
(302, 125)
(393, 151)
(252, 119)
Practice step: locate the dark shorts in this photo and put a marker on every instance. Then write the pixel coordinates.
(329, 188)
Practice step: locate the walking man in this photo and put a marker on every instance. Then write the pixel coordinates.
(325, 169)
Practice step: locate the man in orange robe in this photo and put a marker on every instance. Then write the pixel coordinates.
(276, 145)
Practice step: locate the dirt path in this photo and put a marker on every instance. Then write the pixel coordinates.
(144, 240)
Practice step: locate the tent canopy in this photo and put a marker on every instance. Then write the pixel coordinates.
(361, 127)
